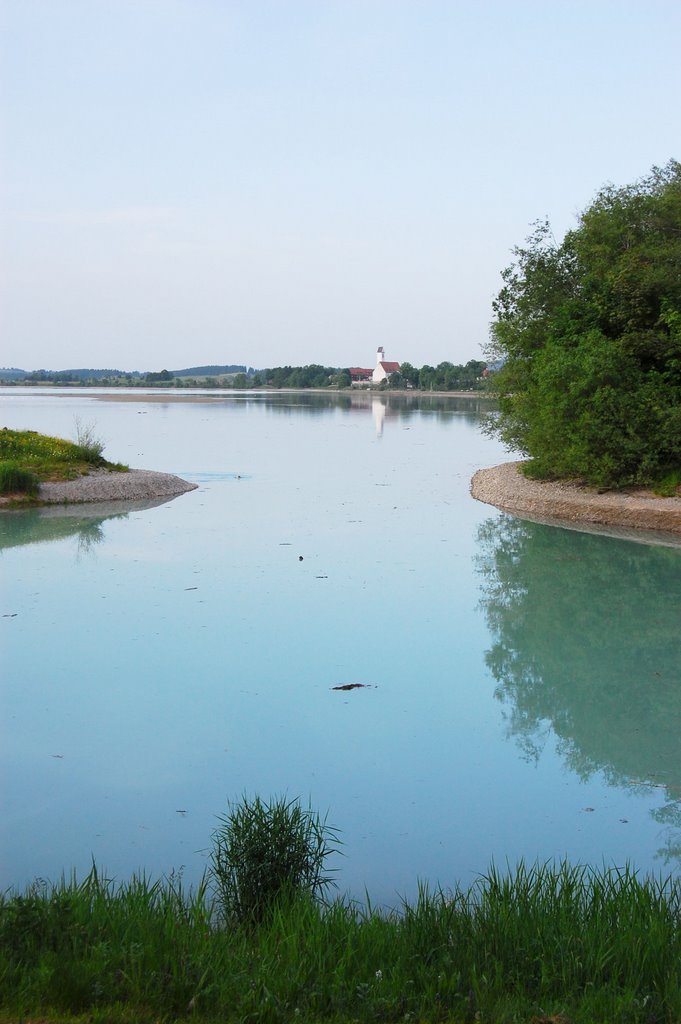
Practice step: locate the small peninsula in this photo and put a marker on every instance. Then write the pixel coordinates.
(36, 469)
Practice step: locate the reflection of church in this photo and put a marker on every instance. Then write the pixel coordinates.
(378, 412)
(382, 371)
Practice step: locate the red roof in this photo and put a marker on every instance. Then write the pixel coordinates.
(390, 367)
(358, 373)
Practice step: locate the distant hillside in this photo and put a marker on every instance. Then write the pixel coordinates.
(11, 373)
(209, 371)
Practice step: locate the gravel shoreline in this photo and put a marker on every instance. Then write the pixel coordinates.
(506, 488)
(104, 485)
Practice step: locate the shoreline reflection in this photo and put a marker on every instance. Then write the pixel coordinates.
(586, 643)
(43, 525)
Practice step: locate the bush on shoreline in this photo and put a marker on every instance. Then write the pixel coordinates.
(588, 337)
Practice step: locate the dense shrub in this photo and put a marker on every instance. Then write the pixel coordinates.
(589, 333)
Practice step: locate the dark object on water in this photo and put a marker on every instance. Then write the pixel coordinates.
(300, 558)
(352, 686)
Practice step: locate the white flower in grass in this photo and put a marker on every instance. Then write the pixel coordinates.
(379, 975)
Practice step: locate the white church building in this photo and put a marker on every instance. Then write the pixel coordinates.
(383, 370)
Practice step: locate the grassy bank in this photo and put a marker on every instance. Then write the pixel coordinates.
(551, 943)
(28, 459)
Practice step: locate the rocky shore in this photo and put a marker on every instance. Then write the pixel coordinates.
(103, 485)
(505, 487)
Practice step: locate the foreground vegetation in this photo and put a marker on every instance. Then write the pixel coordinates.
(256, 942)
(589, 330)
(27, 459)
(532, 945)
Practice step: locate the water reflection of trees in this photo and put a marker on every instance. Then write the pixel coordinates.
(83, 522)
(587, 641)
(403, 406)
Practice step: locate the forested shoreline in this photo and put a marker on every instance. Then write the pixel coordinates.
(446, 376)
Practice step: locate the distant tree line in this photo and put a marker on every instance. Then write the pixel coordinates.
(79, 376)
(445, 376)
(312, 376)
(113, 377)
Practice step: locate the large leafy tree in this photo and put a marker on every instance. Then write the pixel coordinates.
(589, 333)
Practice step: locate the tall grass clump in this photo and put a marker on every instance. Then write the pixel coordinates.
(89, 444)
(15, 480)
(267, 852)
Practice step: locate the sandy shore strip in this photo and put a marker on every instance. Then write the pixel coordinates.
(505, 487)
(103, 485)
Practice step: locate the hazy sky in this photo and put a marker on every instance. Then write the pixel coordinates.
(295, 181)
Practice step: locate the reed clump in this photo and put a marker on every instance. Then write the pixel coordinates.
(16, 480)
(266, 853)
(537, 943)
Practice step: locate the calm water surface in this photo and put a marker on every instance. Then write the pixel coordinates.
(523, 682)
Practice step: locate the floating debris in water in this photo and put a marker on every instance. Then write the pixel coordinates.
(353, 686)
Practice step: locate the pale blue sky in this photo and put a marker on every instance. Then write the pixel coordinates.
(216, 181)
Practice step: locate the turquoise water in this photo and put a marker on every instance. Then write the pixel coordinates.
(522, 682)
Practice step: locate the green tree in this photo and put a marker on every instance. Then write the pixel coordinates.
(427, 377)
(590, 333)
(410, 374)
(158, 378)
(342, 379)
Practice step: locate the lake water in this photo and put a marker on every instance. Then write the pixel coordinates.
(522, 682)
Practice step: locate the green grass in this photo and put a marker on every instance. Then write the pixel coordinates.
(15, 480)
(28, 458)
(536, 943)
(668, 486)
